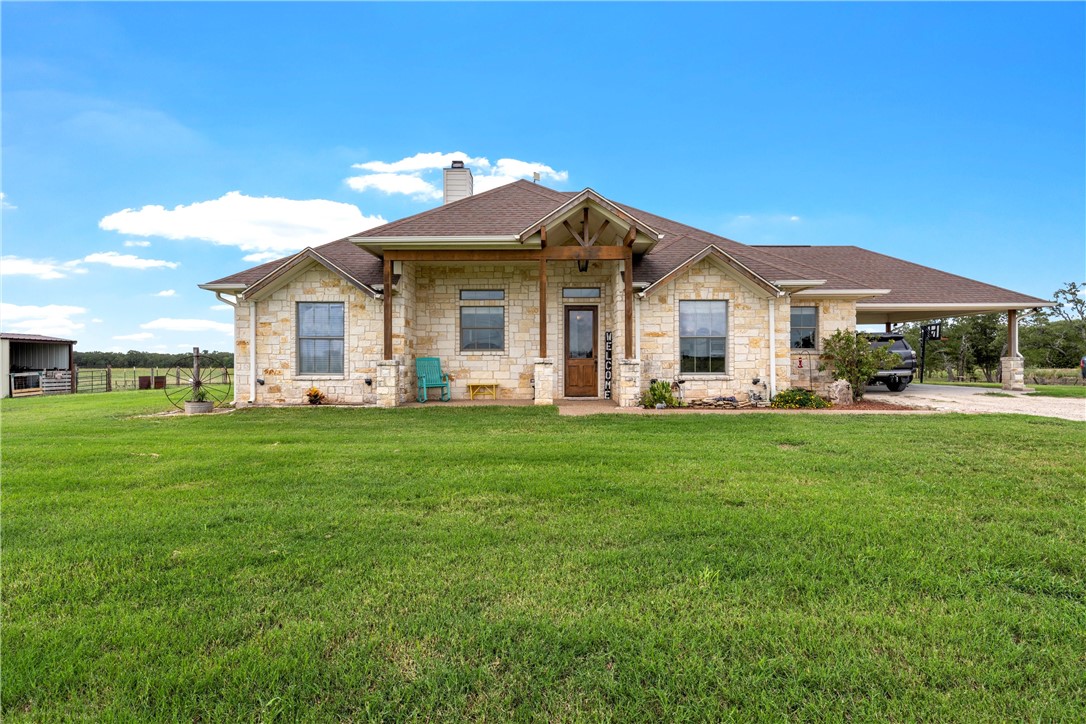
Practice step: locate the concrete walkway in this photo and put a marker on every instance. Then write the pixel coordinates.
(956, 398)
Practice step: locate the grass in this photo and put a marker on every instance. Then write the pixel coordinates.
(505, 563)
(1038, 390)
(1057, 391)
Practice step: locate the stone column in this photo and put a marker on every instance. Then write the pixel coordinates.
(387, 384)
(544, 381)
(629, 383)
(1013, 370)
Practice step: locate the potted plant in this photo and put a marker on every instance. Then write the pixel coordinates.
(199, 403)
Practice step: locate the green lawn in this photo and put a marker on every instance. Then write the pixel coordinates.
(505, 563)
(1038, 390)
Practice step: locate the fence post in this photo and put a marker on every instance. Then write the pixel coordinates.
(109, 378)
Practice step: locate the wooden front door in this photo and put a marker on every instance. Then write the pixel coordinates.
(581, 363)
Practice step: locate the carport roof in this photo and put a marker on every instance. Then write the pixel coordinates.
(16, 337)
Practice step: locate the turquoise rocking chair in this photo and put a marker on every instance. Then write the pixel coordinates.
(428, 371)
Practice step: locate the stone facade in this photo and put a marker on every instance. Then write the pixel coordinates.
(1013, 373)
(426, 323)
(833, 314)
(747, 353)
(277, 349)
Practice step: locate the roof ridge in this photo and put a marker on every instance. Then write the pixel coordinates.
(452, 204)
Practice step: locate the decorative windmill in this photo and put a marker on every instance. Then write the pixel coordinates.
(199, 383)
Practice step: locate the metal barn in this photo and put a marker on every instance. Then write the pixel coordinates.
(32, 364)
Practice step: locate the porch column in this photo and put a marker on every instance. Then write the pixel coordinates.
(627, 275)
(1012, 367)
(542, 308)
(388, 308)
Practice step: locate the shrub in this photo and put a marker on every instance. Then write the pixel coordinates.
(852, 358)
(659, 392)
(314, 396)
(795, 398)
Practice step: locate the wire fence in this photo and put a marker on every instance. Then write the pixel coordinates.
(119, 379)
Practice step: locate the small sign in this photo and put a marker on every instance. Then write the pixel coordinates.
(932, 331)
(608, 346)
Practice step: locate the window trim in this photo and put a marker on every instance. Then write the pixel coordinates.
(792, 327)
(499, 292)
(598, 293)
(727, 371)
(298, 338)
(461, 328)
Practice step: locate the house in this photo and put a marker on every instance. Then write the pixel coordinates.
(32, 364)
(551, 294)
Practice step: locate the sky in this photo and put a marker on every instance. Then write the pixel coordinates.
(151, 147)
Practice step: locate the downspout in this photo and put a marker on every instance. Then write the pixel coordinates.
(773, 347)
(252, 352)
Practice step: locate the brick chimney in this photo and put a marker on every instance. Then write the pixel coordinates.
(459, 183)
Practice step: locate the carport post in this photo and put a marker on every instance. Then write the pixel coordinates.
(1012, 333)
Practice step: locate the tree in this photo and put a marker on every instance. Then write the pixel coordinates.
(853, 358)
(1071, 307)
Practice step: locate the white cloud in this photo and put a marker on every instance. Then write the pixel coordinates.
(167, 293)
(4, 204)
(51, 319)
(96, 320)
(221, 308)
(423, 162)
(135, 337)
(40, 268)
(189, 325)
(396, 183)
(134, 242)
(263, 256)
(127, 261)
(419, 176)
(793, 218)
(264, 224)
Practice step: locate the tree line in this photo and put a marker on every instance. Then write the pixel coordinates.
(1052, 337)
(136, 358)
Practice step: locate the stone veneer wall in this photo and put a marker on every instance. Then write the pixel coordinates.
(437, 325)
(833, 314)
(276, 348)
(748, 327)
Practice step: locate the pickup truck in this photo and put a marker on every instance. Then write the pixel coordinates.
(898, 378)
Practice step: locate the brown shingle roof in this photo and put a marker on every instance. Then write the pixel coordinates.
(909, 283)
(504, 211)
(510, 209)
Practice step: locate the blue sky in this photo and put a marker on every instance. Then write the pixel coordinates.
(150, 147)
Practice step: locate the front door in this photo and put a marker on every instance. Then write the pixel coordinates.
(581, 367)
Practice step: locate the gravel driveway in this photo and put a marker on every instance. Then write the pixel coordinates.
(953, 398)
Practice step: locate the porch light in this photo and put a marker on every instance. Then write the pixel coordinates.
(582, 265)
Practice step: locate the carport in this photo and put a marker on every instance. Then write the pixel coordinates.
(918, 294)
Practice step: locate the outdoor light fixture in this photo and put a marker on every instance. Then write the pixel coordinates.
(582, 265)
(369, 382)
(260, 380)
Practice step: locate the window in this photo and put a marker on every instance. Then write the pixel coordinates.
(473, 295)
(804, 327)
(581, 293)
(703, 329)
(482, 329)
(320, 338)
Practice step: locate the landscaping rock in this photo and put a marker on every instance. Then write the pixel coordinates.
(839, 393)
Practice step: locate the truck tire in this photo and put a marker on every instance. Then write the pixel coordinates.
(898, 384)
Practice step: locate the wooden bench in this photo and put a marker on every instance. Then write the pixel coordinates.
(482, 389)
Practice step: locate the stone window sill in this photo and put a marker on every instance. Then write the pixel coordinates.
(483, 353)
(318, 378)
(706, 376)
